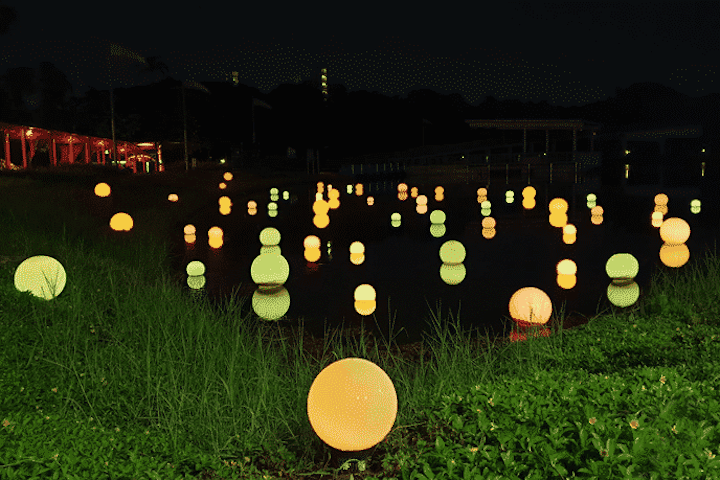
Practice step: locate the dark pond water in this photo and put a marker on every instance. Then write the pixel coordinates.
(403, 264)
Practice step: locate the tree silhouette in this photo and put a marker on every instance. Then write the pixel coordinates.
(7, 17)
(57, 111)
(154, 65)
(19, 85)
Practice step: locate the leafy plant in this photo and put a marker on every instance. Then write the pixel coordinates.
(663, 305)
(124, 378)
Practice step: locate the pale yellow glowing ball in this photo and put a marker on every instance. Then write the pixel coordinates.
(42, 276)
(352, 404)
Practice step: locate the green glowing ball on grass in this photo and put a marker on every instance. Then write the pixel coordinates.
(42, 276)
(352, 404)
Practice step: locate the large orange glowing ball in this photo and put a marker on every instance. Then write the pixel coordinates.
(352, 404)
(530, 306)
(42, 276)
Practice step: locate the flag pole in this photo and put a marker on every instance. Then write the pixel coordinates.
(116, 50)
(252, 107)
(112, 113)
(112, 124)
(184, 126)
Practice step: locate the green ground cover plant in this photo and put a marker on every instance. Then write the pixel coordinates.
(123, 377)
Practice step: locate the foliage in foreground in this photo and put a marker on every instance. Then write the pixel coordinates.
(122, 377)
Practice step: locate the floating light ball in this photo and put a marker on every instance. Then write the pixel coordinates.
(674, 256)
(215, 232)
(452, 251)
(195, 268)
(269, 236)
(271, 304)
(365, 299)
(566, 267)
(270, 270)
(661, 199)
(622, 265)
(102, 189)
(311, 241)
(437, 216)
(121, 222)
(674, 231)
(622, 268)
(357, 247)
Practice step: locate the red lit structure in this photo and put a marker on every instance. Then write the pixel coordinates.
(66, 148)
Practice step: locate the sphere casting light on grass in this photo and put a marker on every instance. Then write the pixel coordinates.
(530, 306)
(352, 404)
(42, 276)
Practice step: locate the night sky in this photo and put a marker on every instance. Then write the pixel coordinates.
(568, 53)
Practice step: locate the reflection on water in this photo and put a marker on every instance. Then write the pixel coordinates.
(403, 264)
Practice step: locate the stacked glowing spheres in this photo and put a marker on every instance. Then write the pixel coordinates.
(674, 232)
(622, 268)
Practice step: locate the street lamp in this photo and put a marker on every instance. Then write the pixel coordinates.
(118, 51)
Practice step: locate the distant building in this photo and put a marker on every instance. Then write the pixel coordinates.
(528, 146)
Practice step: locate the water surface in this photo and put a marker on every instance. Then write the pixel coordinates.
(403, 264)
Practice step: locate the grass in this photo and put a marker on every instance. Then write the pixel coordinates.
(122, 377)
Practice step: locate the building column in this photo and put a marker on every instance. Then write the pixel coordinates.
(574, 148)
(524, 140)
(547, 141)
(7, 151)
(24, 153)
(661, 143)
